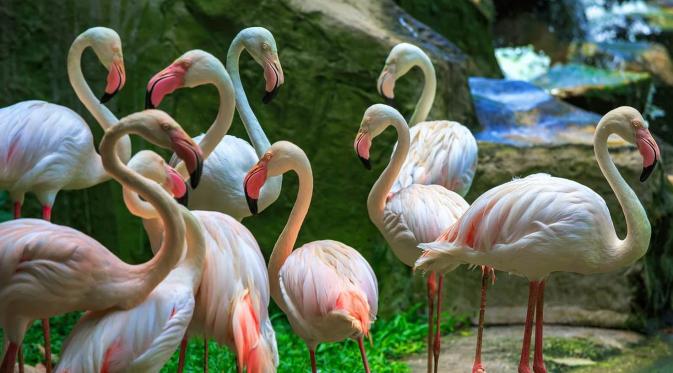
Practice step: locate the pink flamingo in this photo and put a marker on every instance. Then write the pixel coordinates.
(441, 152)
(143, 338)
(542, 224)
(416, 213)
(233, 297)
(232, 156)
(48, 269)
(327, 289)
(48, 147)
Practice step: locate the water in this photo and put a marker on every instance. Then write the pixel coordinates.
(522, 63)
(609, 20)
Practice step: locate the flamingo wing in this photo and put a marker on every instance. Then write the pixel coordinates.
(442, 153)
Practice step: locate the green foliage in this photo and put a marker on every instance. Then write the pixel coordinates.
(393, 338)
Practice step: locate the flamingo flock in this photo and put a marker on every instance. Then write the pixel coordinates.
(208, 277)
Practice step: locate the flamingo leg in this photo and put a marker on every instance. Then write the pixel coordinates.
(47, 344)
(525, 349)
(314, 369)
(20, 354)
(17, 210)
(538, 361)
(477, 367)
(432, 287)
(437, 342)
(364, 355)
(10, 358)
(205, 355)
(181, 357)
(46, 213)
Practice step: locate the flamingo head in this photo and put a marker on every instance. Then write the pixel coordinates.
(107, 45)
(628, 123)
(377, 117)
(261, 45)
(160, 129)
(279, 159)
(400, 60)
(150, 165)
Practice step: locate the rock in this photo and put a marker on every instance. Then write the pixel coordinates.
(572, 362)
(596, 89)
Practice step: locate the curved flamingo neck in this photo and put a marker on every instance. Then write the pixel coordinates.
(636, 242)
(287, 239)
(148, 275)
(255, 132)
(225, 114)
(427, 98)
(376, 201)
(100, 112)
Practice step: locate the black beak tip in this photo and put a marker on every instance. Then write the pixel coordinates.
(268, 96)
(107, 96)
(184, 200)
(148, 100)
(366, 162)
(195, 177)
(647, 171)
(252, 204)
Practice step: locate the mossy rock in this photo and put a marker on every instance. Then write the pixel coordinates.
(596, 89)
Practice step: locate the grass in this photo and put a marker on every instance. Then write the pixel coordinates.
(393, 338)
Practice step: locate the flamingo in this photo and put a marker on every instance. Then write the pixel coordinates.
(414, 214)
(232, 157)
(327, 289)
(233, 297)
(48, 147)
(48, 269)
(541, 224)
(441, 152)
(143, 338)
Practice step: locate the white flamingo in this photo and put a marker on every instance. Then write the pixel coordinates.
(326, 288)
(232, 157)
(541, 224)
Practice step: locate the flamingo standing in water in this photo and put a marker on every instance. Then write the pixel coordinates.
(542, 224)
(48, 269)
(232, 157)
(233, 296)
(327, 289)
(143, 338)
(416, 213)
(441, 152)
(47, 147)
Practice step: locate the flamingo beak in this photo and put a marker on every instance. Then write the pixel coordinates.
(187, 150)
(274, 77)
(649, 150)
(386, 85)
(164, 83)
(116, 78)
(253, 183)
(177, 186)
(362, 144)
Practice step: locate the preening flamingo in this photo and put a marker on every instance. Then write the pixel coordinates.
(416, 213)
(48, 269)
(541, 224)
(142, 338)
(441, 152)
(232, 157)
(233, 297)
(327, 289)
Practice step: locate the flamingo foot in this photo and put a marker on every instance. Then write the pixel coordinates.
(478, 368)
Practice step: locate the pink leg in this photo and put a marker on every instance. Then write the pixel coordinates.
(181, 357)
(432, 288)
(205, 355)
(314, 369)
(10, 358)
(538, 361)
(525, 349)
(364, 355)
(46, 213)
(20, 354)
(437, 343)
(477, 367)
(47, 344)
(17, 210)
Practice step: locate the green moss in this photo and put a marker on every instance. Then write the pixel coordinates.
(653, 356)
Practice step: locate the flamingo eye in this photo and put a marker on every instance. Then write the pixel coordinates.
(266, 46)
(165, 126)
(636, 123)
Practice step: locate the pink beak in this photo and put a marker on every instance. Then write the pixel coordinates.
(177, 185)
(386, 85)
(362, 144)
(164, 83)
(648, 149)
(116, 78)
(274, 77)
(187, 150)
(253, 183)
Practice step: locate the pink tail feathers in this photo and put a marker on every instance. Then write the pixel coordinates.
(356, 305)
(253, 350)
